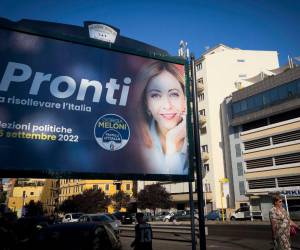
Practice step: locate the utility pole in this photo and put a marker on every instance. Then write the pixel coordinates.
(198, 157)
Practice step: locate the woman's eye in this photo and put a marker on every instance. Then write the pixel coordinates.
(174, 94)
(154, 95)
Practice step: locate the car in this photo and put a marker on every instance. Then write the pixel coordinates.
(294, 212)
(243, 213)
(168, 217)
(160, 216)
(114, 218)
(214, 215)
(100, 218)
(183, 215)
(75, 236)
(71, 217)
(124, 217)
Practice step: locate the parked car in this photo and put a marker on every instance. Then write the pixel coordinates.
(81, 236)
(124, 217)
(294, 212)
(243, 213)
(168, 217)
(100, 218)
(71, 217)
(214, 215)
(115, 219)
(183, 215)
(160, 216)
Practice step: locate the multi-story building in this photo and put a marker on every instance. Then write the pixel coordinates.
(50, 195)
(70, 187)
(264, 139)
(24, 191)
(220, 71)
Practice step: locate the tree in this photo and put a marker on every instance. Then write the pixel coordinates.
(34, 209)
(154, 196)
(3, 196)
(90, 201)
(120, 199)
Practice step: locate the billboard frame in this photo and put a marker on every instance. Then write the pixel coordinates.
(48, 173)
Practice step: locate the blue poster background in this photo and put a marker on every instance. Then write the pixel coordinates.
(78, 61)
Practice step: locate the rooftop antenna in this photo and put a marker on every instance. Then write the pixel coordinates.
(183, 50)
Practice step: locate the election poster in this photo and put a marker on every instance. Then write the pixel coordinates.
(68, 107)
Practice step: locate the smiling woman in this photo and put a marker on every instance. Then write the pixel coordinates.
(162, 116)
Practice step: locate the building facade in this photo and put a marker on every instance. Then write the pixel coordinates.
(220, 71)
(265, 119)
(24, 191)
(71, 187)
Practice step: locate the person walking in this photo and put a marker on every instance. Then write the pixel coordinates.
(281, 225)
(143, 234)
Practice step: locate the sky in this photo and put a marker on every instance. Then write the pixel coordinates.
(246, 24)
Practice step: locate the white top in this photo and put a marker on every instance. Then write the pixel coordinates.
(159, 163)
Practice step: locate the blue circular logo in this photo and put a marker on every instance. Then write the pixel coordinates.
(111, 132)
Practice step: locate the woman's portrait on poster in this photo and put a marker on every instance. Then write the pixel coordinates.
(162, 118)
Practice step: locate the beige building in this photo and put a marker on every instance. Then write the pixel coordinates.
(220, 71)
(24, 191)
(70, 187)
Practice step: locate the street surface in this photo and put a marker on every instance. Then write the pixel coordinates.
(220, 236)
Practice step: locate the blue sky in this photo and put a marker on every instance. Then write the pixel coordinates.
(246, 24)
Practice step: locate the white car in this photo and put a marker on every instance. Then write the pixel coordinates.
(71, 217)
(168, 217)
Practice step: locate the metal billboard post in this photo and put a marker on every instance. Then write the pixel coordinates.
(199, 184)
(192, 215)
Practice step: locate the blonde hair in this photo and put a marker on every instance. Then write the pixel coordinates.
(147, 73)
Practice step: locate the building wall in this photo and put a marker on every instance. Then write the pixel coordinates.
(70, 187)
(221, 69)
(16, 200)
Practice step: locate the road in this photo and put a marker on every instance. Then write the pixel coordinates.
(225, 237)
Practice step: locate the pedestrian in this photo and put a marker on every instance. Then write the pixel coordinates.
(143, 234)
(281, 225)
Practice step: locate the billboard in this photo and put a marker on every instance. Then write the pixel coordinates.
(72, 109)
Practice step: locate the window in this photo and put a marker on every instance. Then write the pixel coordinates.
(127, 187)
(95, 187)
(204, 148)
(201, 96)
(242, 188)
(107, 187)
(202, 112)
(206, 167)
(203, 131)
(238, 152)
(31, 193)
(200, 80)
(240, 169)
(199, 66)
(240, 60)
(118, 186)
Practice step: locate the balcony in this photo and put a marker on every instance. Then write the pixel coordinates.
(205, 156)
(200, 87)
(202, 119)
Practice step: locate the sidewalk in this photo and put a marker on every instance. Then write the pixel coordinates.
(227, 222)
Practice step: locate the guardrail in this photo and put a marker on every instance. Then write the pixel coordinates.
(164, 232)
